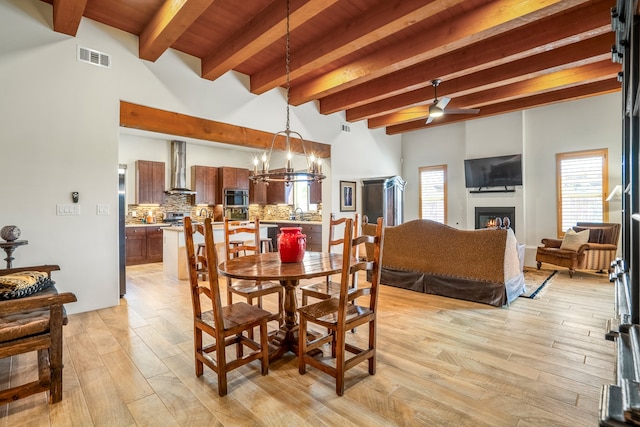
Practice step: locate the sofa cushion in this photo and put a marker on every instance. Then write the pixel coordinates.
(22, 284)
(595, 234)
(573, 240)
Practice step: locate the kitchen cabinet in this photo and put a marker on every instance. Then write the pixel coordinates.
(154, 244)
(312, 231)
(150, 182)
(315, 192)
(204, 181)
(143, 245)
(232, 178)
(278, 192)
(258, 193)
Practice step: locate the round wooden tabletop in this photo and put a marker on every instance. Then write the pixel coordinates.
(267, 266)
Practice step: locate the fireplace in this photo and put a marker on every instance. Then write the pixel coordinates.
(486, 216)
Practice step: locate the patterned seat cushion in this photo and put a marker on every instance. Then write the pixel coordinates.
(22, 284)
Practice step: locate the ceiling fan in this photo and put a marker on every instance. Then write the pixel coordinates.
(437, 108)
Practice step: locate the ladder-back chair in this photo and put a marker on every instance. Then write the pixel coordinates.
(249, 289)
(342, 313)
(224, 324)
(328, 288)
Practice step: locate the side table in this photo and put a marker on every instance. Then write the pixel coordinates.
(9, 247)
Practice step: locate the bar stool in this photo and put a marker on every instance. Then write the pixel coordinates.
(266, 245)
(201, 262)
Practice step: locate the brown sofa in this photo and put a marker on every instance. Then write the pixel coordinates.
(597, 254)
(429, 257)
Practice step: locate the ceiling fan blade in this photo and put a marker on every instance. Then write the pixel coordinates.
(429, 120)
(442, 102)
(462, 111)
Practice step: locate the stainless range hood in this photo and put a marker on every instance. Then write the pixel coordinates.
(179, 169)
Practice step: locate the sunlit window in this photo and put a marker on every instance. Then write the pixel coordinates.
(433, 193)
(582, 187)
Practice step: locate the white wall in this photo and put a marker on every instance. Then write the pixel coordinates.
(60, 133)
(538, 134)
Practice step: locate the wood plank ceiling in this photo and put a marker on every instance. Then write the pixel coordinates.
(375, 59)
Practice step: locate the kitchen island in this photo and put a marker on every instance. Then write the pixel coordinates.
(174, 261)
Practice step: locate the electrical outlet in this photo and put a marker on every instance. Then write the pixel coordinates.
(67, 209)
(102, 209)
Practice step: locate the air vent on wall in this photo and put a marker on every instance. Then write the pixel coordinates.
(94, 57)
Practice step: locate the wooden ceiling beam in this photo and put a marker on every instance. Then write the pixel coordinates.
(576, 92)
(154, 120)
(168, 24)
(553, 32)
(570, 56)
(387, 19)
(67, 15)
(549, 82)
(479, 24)
(265, 28)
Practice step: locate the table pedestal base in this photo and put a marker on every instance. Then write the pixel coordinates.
(285, 339)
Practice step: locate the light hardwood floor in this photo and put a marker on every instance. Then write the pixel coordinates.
(441, 361)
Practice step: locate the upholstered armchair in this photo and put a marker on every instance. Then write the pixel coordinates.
(596, 253)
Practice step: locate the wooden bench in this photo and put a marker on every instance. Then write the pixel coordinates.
(34, 323)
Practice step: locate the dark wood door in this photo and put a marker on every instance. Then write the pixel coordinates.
(204, 181)
(135, 245)
(315, 192)
(258, 193)
(154, 244)
(277, 191)
(149, 182)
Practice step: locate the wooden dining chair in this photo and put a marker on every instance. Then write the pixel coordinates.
(342, 313)
(328, 288)
(249, 289)
(224, 324)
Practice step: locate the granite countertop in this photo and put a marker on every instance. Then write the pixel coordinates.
(216, 226)
(288, 221)
(157, 224)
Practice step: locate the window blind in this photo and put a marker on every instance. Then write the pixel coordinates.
(432, 193)
(581, 188)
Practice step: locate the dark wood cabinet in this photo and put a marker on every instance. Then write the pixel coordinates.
(278, 192)
(150, 183)
(143, 245)
(258, 193)
(204, 181)
(135, 245)
(154, 244)
(315, 192)
(232, 178)
(312, 231)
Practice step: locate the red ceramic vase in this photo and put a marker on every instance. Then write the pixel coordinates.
(291, 244)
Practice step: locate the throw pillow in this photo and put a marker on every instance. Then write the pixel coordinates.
(595, 234)
(572, 240)
(22, 284)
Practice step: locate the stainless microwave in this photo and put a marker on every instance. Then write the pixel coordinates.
(236, 198)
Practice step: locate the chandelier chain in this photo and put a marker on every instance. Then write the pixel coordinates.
(287, 66)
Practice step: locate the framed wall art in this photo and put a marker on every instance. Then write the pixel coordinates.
(347, 196)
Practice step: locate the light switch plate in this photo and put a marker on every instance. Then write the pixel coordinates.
(68, 209)
(102, 209)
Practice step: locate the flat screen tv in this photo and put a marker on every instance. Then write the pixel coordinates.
(503, 171)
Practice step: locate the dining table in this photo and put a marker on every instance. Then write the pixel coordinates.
(267, 266)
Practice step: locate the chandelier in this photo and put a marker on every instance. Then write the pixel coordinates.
(261, 173)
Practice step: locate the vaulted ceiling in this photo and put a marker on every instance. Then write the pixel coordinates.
(375, 59)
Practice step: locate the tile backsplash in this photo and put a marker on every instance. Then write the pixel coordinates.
(137, 214)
